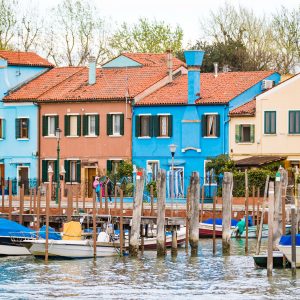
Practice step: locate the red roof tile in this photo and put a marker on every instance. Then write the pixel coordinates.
(214, 90)
(247, 109)
(24, 59)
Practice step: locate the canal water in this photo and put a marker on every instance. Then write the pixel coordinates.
(184, 277)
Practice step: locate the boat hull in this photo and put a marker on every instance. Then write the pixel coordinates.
(206, 230)
(8, 247)
(70, 249)
(261, 260)
(287, 251)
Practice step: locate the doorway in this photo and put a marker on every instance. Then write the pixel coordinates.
(23, 178)
(2, 177)
(90, 174)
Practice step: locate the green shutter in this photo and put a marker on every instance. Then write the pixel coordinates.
(252, 133)
(203, 121)
(55, 171)
(122, 124)
(67, 169)
(56, 121)
(108, 166)
(27, 126)
(155, 121)
(17, 128)
(79, 125)
(218, 125)
(44, 170)
(109, 124)
(170, 125)
(85, 123)
(150, 125)
(137, 126)
(78, 171)
(238, 133)
(45, 125)
(3, 129)
(67, 125)
(97, 124)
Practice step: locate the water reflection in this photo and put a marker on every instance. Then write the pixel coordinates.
(148, 277)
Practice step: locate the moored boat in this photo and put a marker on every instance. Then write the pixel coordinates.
(261, 260)
(285, 246)
(206, 228)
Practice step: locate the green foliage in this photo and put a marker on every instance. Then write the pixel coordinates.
(128, 190)
(147, 36)
(221, 164)
(125, 169)
(148, 187)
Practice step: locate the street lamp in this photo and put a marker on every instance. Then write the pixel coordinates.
(172, 148)
(57, 134)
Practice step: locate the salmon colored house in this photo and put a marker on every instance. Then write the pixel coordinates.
(93, 109)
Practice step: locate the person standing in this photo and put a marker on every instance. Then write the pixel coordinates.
(109, 185)
(97, 187)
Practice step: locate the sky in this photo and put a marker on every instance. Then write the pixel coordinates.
(186, 13)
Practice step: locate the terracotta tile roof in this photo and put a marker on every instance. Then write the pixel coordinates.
(71, 84)
(247, 109)
(257, 161)
(24, 59)
(214, 90)
(153, 59)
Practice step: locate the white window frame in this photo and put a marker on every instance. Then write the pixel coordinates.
(153, 161)
(113, 124)
(177, 168)
(215, 125)
(263, 115)
(206, 183)
(27, 138)
(48, 120)
(73, 115)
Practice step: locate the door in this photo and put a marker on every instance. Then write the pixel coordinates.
(91, 173)
(23, 178)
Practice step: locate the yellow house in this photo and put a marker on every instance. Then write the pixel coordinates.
(267, 128)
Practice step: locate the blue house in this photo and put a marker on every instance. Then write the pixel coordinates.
(192, 112)
(19, 121)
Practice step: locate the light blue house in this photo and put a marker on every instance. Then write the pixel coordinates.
(192, 112)
(19, 121)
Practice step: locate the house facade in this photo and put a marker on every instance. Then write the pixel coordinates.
(191, 112)
(274, 118)
(19, 121)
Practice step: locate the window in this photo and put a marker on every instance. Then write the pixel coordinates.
(112, 166)
(115, 124)
(209, 174)
(294, 122)
(178, 182)
(73, 170)
(50, 124)
(2, 128)
(244, 133)
(163, 125)
(270, 122)
(152, 167)
(211, 125)
(45, 167)
(72, 125)
(145, 125)
(90, 125)
(22, 128)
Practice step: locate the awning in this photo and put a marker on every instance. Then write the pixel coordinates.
(257, 161)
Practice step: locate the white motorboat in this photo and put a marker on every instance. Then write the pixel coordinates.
(286, 248)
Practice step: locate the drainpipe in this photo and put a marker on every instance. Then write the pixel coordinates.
(38, 143)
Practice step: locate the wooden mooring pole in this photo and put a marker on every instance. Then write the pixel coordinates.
(194, 221)
(246, 209)
(152, 200)
(202, 203)
(21, 208)
(121, 224)
(136, 215)
(214, 225)
(3, 193)
(9, 199)
(277, 225)
(270, 229)
(257, 212)
(94, 225)
(227, 186)
(293, 236)
(187, 220)
(161, 212)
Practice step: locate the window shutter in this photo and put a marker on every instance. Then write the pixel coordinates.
(217, 125)
(203, 121)
(109, 124)
(79, 125)
(170, 125)
(3, 128)
(122, 124)
(27, 126)
(238, 133)
(252, 133)
(56, 118)
(45, 125)
(108, 166)
(44, 170)
(97, 125)
(155, 121)
(67, 125)
(150, 126)
(85, 123)
(67, 169)
(55, 171)
(137, 126)
(17, 128)
(78, 171)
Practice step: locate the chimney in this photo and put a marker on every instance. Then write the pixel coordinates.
(193, 60)
(92, 70)
(216, 69)
(170, 65)
(5, 84)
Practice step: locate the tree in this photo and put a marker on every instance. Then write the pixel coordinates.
(147, 36)
(7, 24)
